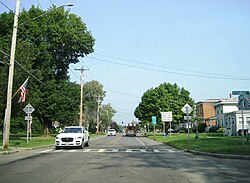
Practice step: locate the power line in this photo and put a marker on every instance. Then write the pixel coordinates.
(51, 2)
(74, 72)
(39, 4)
(121, 93)
(169, 72)
(22, 67)
(6, 6)
(161, 66)
(84, 64)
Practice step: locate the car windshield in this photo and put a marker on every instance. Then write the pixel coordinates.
(72, 130)
(111, 130)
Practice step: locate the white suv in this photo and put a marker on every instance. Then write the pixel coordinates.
(111, 132)
(72, 136)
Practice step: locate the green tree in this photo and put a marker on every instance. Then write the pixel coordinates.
(93, 95)
(106, 115)
(56, 101)
(46, 46)
(165, 97)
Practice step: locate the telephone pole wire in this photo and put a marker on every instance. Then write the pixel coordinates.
(81, 100)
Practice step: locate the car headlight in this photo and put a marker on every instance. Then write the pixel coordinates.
(79, 137)
(57, 137)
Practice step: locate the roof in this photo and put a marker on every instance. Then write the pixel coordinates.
(233, 101)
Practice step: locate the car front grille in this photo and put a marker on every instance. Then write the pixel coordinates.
(67, 139)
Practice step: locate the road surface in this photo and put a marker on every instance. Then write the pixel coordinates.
(119, 159)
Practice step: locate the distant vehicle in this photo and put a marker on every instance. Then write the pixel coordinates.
(131, 129)
(111, 132)
(72, 136)
(171, 130)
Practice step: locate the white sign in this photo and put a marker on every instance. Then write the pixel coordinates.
(187, 117)
(29, 109)
(187, 109)
(28, 118)
(56, 124)
(166, 116)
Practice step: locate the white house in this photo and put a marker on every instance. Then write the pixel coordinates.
(233, 122)
(224, 106)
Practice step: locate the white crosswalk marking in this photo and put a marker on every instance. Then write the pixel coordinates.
(73, 150)
(87, 150)
(113, 150)
(129, 150)
(156, 151)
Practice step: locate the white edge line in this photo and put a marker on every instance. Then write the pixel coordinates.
(142, 143)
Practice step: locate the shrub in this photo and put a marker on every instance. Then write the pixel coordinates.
(202, 127)
(214, 129)
(221, 130)
(183, 130)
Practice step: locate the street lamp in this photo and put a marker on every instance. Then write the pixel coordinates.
(7, 117)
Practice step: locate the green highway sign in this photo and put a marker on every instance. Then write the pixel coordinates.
(240, 92)
(154, 120)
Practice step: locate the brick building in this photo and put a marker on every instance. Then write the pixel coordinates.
(205, 111)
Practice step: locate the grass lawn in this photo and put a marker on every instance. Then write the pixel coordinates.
(36, 141)
(207, 142)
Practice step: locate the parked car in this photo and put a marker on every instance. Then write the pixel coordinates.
(72, 136)
(111, 132)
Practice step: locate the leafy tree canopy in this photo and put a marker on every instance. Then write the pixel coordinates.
(106, 115)
(164, 98)
(47, 43)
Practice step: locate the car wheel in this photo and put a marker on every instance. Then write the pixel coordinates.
(82, 145)
(87, 143)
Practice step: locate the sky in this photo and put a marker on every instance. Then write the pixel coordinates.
(201, 45)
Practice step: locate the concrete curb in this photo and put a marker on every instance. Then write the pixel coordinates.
(225, 156)
(16, 150)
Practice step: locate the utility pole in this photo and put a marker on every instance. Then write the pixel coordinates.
(97, 114)
(10, 80)
(81, 100)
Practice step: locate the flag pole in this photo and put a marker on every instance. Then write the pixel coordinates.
(16, 93)
(19, 88)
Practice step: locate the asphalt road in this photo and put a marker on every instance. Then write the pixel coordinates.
(120, 159)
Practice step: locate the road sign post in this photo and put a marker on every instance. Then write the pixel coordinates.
(242, 95)
(154, 122)
(187, 109)
(28, 110)
(166, 117)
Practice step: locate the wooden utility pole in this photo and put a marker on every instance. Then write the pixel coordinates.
(97, 115)
(81, 100)
(10, 80)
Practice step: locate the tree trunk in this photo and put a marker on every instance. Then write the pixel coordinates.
(46, 132)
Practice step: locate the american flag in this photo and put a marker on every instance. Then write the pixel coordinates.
(23, 91)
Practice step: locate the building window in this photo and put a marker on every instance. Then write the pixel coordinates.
(248, 119)
(240, 120)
